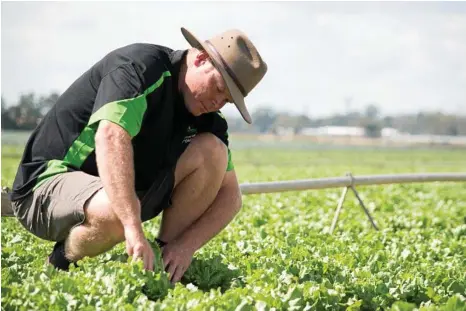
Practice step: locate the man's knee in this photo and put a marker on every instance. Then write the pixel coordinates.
(101, 217)
(210, 150)
(206, 153)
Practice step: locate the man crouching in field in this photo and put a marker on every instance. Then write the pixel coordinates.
(138, 133)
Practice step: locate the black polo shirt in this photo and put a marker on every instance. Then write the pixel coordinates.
(135, 86)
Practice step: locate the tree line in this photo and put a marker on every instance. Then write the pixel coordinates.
(268, 120)
(27, 112)
(30, 108)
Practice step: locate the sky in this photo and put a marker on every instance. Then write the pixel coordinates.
(323, 57)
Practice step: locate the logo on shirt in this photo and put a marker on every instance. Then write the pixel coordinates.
(190, 134)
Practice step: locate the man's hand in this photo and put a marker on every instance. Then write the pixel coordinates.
(138, 246)
(176, 259)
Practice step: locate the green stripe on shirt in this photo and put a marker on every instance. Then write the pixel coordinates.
(128, 113)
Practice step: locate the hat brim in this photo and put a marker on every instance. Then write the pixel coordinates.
(237, 96)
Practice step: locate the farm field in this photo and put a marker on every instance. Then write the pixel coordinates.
(277, 253)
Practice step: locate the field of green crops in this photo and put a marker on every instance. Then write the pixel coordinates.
(277, 253)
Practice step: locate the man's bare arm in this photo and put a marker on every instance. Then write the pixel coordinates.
(114, 155)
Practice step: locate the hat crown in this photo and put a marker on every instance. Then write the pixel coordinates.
(241, 58)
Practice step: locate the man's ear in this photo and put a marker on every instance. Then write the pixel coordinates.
(201, 58)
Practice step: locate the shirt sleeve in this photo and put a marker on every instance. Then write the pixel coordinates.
(121, 99)
(216, 124)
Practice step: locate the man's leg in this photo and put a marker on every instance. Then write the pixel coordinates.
(73, 210)
(100, 232)
(198, 176)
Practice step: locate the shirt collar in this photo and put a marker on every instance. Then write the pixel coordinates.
(176, 59)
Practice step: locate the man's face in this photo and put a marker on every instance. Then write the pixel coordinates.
(206, 90)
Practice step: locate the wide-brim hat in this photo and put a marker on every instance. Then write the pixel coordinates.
(237, 60)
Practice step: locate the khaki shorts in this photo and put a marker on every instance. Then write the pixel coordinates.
(57, 206)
